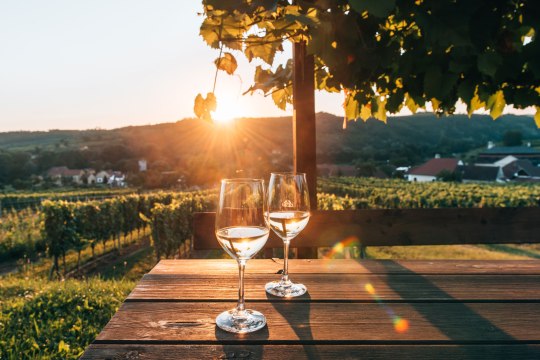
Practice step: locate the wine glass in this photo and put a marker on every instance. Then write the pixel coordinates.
(288, 214)
(242, 231)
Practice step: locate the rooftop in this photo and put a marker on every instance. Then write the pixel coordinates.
(434, 166)
(480, 173)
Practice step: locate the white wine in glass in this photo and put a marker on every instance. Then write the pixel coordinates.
(287, 214)
(242, 231)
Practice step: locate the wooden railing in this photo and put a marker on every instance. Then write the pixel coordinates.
(388, 227)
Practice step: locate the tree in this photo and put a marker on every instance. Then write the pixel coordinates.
(386, 54)
(512, 138)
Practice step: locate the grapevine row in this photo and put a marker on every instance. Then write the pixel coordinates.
(76, 226)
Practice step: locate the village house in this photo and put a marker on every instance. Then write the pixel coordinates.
(476, 173)
(62, 175)
(494, 153)
(432, 168)
(59, 175)
(514, 169)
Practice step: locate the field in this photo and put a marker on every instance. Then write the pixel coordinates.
(75, 262)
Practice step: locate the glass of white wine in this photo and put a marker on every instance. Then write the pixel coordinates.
(242, 231)
(288, 215)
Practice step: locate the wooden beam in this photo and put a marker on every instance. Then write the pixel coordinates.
(389, 227)
(304, 137)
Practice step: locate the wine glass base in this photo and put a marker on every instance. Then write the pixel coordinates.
(285, 289)
(248, 321)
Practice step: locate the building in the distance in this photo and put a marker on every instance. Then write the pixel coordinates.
(432, 168)
(495, 153)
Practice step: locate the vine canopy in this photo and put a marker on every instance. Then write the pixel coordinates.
(387, 54)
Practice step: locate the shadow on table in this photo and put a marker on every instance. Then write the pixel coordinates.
(475, 322)
(250, 349)
(297, 314)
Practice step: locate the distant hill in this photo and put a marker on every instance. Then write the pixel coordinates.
(203, 152)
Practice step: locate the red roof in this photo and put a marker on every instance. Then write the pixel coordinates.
(434, 166)
(56, 171)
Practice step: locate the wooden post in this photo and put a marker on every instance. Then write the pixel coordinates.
(304, 138)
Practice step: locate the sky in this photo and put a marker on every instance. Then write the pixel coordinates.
(68, 64)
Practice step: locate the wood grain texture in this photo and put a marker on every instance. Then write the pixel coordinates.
(455, 310)
(373, 227)
(304, 128)
(344, 287)
(342, 266)
(299, 352)
(319, 323)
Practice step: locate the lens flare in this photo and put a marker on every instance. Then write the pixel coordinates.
(339, 247)
(400, 325)
(370, 289)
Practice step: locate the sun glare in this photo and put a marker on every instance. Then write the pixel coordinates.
(225, 113)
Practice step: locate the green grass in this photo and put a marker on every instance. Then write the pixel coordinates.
(456, 252)
(42, 319)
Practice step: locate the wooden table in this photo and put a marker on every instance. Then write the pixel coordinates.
(368, 309)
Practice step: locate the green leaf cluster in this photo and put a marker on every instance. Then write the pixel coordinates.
(346, 193)
(387, 54)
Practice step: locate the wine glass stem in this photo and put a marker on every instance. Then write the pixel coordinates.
(240, 307)
(285, 275)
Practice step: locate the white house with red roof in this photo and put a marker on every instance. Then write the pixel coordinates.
(429, 170)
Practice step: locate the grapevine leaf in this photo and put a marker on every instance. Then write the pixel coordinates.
(227, 63)
(475, 104)
(432, 81)
(281, 97)
(435, 103)
(488, 63)
(365, 112)
(496, 104)
(409, 102)
(259, 49)
(465, 91)
(351, 106)
(203, 107)
(266, 4)
(380, 113)
(379, 8)
(209, 34)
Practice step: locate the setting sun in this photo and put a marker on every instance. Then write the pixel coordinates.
(225, 113)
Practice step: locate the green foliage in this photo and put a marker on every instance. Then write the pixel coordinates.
(74, 226)
(55, 320)
(171, 223)
(512, 138)
(20, 235)
(449, 176)
(362, 193)
(24, 200)
(386, 54)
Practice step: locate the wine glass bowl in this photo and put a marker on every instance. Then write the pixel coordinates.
(287, 214)
(242, 231)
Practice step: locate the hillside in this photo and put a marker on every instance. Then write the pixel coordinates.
(203, 152)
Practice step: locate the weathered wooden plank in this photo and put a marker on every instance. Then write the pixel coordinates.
(304, 134)
(344, 287)
(374, 227)
(342, 266)
(312, 323)
(280, 352)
